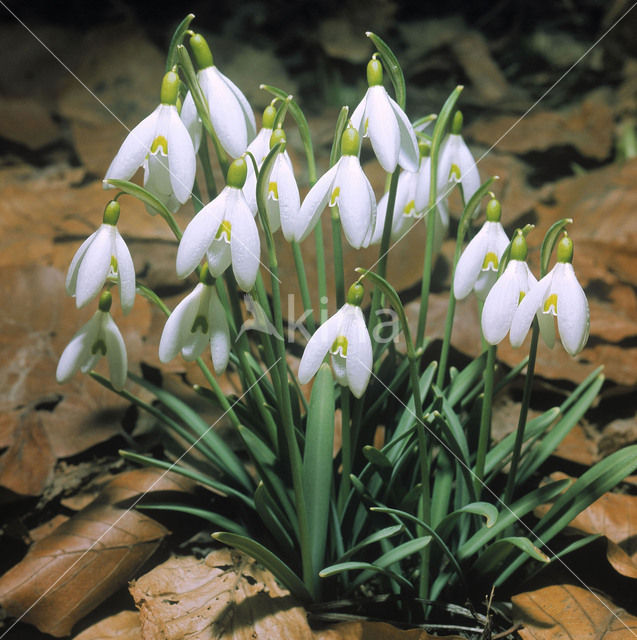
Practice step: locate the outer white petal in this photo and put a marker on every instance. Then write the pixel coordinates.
(248, 114)
(359, 352)
(318, 346)
(470, 264)
(249, 188)
(289, 199)
(359, 116)
(115, 353)
(126, 273)
(219, 335)
(244, 243)
(135, 148)
(529, 306)
(445, 160)
(71, 276)
(421, 198)
(404, 190)
(78, 350)
(315, 201)
(191, 120)
(371, 198)
(182, 162)
(469, 175)
(179, 324)
(354, 206)
(572, 309)
(200, 233)
(409, 154)
(381, 214)
(382, 128)
(502, 301)
(95, 265)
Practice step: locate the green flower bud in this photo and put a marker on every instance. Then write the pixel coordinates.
(201, 51)
(355, 294)
(205, 277)
(237, 173)
(106, 299)
(424, 148)
(456, 124)
(374, 72)
(269, 116)
(519, 249)
(278, 135)
(111, 213)
(350, 142)
(170, 88)
(494, 211)
(565, 249)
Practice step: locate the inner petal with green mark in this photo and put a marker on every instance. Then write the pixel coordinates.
(454, 173)
(99, 345)
(490, 262)
(550, 304)
(273, 191)
(224, 232)
(200, 323)
(334, 196)
(410, 208)
(159, 143)
(522, 294)
(339, 346)
(113, 270)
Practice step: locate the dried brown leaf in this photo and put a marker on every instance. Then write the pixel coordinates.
(122, 626)
(567, 611)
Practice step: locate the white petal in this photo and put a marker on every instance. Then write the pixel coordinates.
(71, 276)
(199, 234)
(382, 128)
(357, 117)
(78, 350)
(191, 120)
(315, 201)
(195, 344)
(219, 334)
(115, 353)
(469, 175)
(445, 160)
(244, 243)
(354, 206)
(135, 148)
(157, 178)
(470, 264)
(371, 198)
(289, 200)
(182, 162)
(249, 188)
(572, 309)
(381, 214)
(409, 154)
(179, 324)
(126, 272)
(318, 346)
(339, 366)
(96, 264)
(529, 306)
(248, 114)
(219, 256)
(502, 301)
(421, 198)
(359, 353)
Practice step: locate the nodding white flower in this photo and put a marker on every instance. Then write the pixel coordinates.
(558, 294)
(259, 148)
(456, 164)
(283, 202)
(381, 118)
(477, 268)
(191, 120)
(230, 113)
(197, 321)
(98, 337)
(345, 187)
(103, 255)
(346, 338)
(507, 293)
(226, 232)
(162, 145)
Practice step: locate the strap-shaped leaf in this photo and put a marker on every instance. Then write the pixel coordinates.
(391, 64)
(177, 39)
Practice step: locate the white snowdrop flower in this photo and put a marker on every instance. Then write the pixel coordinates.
(197, 321)
(191, 120)
(346, 338)
(345, 187)
(103, 255)
(283, 202)
(557, 294)
(259, 148)
(477, 268)
(226, 232)
(98, 337)
(162, 145)
(230, 113)
(381, 118)
(456, 164)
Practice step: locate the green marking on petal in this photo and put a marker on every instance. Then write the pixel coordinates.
(454, 172)
(334, 196)
(159, 143)
(273, 191)
(200, 323)
(339, 345)
(550, 304)
(490, 262)
(224, 231)
(99, 345)
(409, 207)
(522, 294)
(113, 270)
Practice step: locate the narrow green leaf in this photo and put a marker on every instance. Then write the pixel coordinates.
(390, 62)
(471, 207)
(485, 509)
(204, 514)
(177, 39)
(376, 457)
(270, 561)
(490, 560)
(368, 569)
(548, 244)
(273, 518)
(377, 536)
(466, 379)
(341, 123)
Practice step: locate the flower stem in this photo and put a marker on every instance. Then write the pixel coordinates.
(485, 418)
(204, 156)
(339, 274)
(346, 450)
(305, 292)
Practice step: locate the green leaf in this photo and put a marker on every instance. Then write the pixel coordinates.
(485, 509)
(471, 207)
(376, 458)
(272, 516)
(341, 123)
(490, 561)
(548, 244)
(317, 465)
(390, 62)
(281, 571)
(377, 536)
(210, 516)
(368, 568)
(466, 379)
(178, 36)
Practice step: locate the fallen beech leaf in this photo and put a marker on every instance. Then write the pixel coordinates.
(227, 596)
(69, 572)
(375, 631)
(567, 611)
(122, 626)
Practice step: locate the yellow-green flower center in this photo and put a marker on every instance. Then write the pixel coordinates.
(159, 143)
(550, 304)
(224, 231)
(334, 196)
(490, 262)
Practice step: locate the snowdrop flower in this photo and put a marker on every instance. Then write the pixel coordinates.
(259, 148)
(381, 118)
(559, 294)
(98, 337)
(161, 144)
(225, 230)
(283, 202)
(477, 268)
(103, 255)
(346, 338)
(191, 120)
(456, 164)
(345, 187)
(198, 320)
(230, 113)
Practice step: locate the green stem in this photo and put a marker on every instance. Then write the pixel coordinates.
(346, 450)
(339, 272)
(204, 156)
(305, 292)
(485, 418)
(524, 410)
